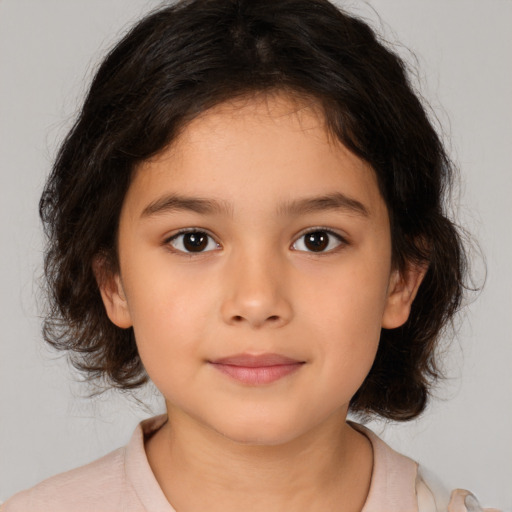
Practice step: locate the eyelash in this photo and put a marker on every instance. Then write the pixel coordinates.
(168, 241)
(331, 234)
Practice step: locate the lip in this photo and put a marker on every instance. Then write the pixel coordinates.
(257, 369)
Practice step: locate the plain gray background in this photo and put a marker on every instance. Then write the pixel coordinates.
(48, 50)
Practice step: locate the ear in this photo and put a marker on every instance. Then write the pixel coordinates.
(403, 287)
(112, 293)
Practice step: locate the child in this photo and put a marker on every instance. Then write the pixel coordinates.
(249, 212)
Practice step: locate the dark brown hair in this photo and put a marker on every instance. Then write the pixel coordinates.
(186, 58)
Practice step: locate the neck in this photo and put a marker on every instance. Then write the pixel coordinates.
(328, 468)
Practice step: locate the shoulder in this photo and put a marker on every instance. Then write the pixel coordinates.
(400, 484)
(99, 482)
(121, 481)
(434, 497)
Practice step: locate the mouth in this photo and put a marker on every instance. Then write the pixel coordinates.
(257, 370)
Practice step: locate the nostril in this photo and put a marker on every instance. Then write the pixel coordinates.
(240, 318)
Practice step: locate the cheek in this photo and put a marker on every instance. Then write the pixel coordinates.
(346, 358)
(347, 301)
(170, 319)
(164, 295)
(346, 316)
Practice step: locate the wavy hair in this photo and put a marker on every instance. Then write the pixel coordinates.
(187, 57)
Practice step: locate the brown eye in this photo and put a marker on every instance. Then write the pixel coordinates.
(193, 241)
(318, 241)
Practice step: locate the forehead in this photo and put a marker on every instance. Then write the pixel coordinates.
(276, 119)
(263, 149)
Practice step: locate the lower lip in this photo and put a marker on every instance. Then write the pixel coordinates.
(259, 375)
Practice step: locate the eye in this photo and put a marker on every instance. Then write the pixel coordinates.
(193, 241)
(320, 240)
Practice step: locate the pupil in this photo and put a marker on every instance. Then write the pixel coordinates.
(317, 241)
(195, 242)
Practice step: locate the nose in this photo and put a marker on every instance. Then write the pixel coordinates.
(256, 293)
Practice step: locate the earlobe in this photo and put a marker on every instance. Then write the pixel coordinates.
(112, 294)
(402, 290)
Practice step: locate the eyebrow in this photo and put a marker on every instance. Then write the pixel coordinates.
(174, 202)
(336, 201)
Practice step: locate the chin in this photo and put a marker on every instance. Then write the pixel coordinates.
(262, 432)
(259, 438)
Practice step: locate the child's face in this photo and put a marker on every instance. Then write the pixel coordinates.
(252, 181)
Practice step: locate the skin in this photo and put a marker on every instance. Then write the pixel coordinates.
(256, 289)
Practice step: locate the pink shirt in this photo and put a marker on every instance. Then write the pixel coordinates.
(122, 481)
